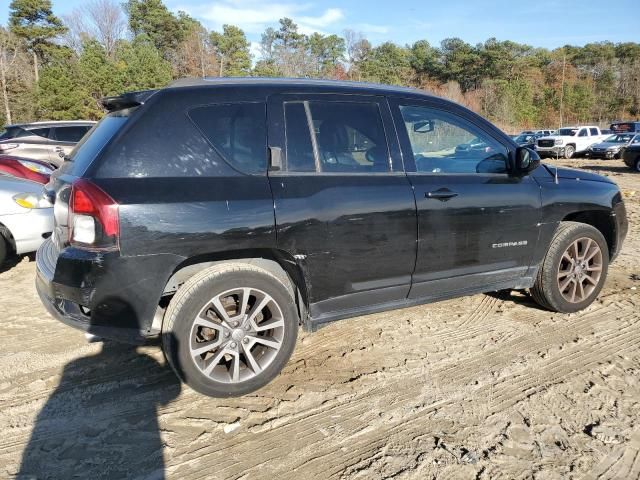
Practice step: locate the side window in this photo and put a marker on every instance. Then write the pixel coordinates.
(40, 132)
(594, 131)
(350, 137)
(70, 134)
(445, 143)
(237, 131)
(583, 133)
(346, 136)
(300, 157)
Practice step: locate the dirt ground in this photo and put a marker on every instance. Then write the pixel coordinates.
(482, 387)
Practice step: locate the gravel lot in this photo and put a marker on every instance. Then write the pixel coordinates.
(482, 387)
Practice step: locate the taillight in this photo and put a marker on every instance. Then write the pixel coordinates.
(93, 217)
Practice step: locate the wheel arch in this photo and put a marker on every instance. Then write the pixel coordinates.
(601, 220)
(278, 262)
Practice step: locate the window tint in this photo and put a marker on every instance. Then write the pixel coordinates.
(90, 146)
(445, 143)
(583, 133)
(349, 137)
(300, 156)
(70, 134)
(594, 131)
(237, 131)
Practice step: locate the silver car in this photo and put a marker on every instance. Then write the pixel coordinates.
(613, 146)
(26, 216)
(46, 141)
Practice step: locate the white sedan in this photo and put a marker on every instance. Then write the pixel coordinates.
(26, 216)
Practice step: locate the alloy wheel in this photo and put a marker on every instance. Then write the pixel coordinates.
(236, 335)
(580, 270)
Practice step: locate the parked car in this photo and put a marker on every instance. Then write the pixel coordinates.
(625, 127)
(568, 141)
(539, 133)
(26, 216)
(45, 141)
(613, 146)
(259, 213)
(25, 168)
(631, 156)
(526, 140)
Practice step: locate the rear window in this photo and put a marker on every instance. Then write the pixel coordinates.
(91, 144)
(237, 131)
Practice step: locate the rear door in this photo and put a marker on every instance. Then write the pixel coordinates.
(477, 224)
(344, 207)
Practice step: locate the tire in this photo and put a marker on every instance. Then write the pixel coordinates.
(569, 151)
(636, 165)
(3, 250)
(235, 357)
(552, 276)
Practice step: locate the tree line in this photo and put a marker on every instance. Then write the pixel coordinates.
(59, 68)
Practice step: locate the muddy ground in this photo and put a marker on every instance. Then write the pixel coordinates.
(482, 387)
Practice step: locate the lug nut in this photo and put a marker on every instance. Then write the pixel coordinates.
(246, 327)
(226, 334)
(245, 340)
(234, 324)
(233, 345)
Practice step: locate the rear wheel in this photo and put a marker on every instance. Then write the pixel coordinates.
(637, 165)
(569, 151)
(574, 269)
(230, 330)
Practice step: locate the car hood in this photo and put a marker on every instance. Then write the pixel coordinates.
(607, 145)
(575, 174)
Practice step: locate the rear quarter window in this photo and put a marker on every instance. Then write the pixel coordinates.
(237, 131)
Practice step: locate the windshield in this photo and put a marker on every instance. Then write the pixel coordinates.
(619, 139)
(522, 138)
(568, 132)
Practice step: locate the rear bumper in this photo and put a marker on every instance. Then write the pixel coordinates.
(87, 291)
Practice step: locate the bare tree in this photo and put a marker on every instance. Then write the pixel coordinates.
(100, 19)
(195, 56)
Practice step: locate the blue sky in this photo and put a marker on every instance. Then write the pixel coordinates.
(541, 23)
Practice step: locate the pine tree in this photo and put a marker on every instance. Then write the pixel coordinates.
(34, 22)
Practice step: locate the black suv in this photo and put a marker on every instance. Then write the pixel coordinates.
(219, 215)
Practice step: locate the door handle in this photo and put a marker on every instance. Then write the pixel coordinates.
(59, 149)
(442, 194)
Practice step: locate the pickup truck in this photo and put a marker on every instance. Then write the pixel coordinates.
(569, 140)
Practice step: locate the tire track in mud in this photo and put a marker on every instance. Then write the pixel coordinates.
(622, 463)
(555, 369)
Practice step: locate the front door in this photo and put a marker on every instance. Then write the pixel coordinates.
(343, 204)
(477, 223)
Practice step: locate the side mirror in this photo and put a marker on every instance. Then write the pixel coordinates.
(424, 126)
(527, 160)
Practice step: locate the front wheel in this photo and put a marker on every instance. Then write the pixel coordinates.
(569, 151)
(574, 269)
(230, 330)
(637, 165)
